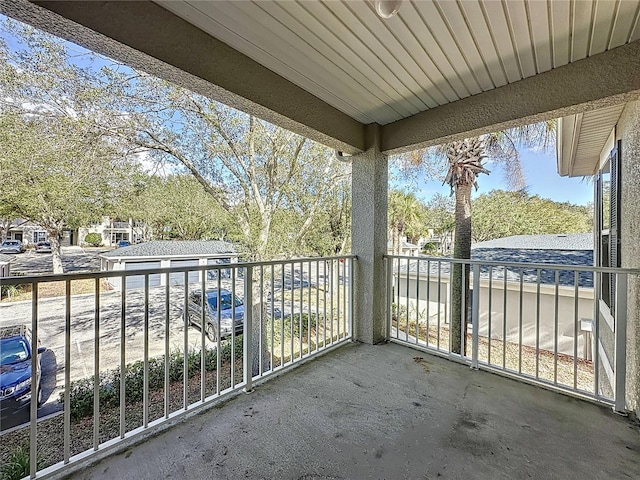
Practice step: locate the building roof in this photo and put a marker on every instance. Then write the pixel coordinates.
(172, 248)
(572, 241)
(572, 249)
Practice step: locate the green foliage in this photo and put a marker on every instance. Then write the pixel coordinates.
(17, 465)
(500, 214)
(81, 391)
(93, 239)
(178, 207)
(301, 323)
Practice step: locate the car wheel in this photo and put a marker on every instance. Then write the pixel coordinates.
(211, 332)
(39, 397)
(193, 319)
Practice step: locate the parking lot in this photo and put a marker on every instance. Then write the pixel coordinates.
(74, 259)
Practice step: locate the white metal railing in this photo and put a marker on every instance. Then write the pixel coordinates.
(133, 358)
(541, 323)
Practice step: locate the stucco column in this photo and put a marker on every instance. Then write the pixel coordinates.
(629, 128)
(369, 238)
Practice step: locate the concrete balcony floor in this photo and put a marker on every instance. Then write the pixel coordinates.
(376, 412)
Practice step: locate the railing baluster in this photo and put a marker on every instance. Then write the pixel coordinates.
(67, 372)
(292, 318)
(317, 318)
(475, 316)
(428, 300)
(556, 333)
(123, 360)
(300, 292)
(33, 428)
(350, 319)
(520, 325)
(273, 318)
(145, 380)
(397, 312)
(185, 345)
(576, 321)
(247, 340)
(282, 285)
(406, 302)
(490, 306)
(463, 312)
(167, 291)
(219, 329)
(96, 366)
(390, 284)
(331, 295)
(538, 324)
(504, 319)
(261, 320)
(620, 369)
(417, 299)
(439, 301)
(233, 320)
(203, 327)
(309, 312)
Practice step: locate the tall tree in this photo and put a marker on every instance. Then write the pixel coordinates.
(464, 161)
(522, 214)
(405, 213)
(60, 176)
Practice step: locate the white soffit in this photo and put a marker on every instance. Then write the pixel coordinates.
(581, 139)
(432, 53)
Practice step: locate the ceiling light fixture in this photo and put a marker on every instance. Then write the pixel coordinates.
(387, 8)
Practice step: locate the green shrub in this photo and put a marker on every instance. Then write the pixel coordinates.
(17, 465)
(93, 239)
(306, 319)
(81, 391)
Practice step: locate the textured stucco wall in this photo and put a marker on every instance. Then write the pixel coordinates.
(629, 132)
(369, 239)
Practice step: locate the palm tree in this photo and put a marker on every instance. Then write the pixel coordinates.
(465, 160)
(405, 212)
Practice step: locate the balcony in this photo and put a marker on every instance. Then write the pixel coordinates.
(350, 410)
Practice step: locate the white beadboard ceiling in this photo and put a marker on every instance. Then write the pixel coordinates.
(432, 53)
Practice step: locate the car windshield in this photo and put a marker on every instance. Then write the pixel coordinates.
(225, 300)
(13, 350)
(10, 243)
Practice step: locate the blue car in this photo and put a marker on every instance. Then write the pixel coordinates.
(16, 378)
(230, 307)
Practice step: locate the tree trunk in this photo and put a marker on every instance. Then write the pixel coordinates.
(56, 255)
(460, 282)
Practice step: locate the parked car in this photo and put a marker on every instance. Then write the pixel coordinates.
(43, 247)
(11, 246)
(123, 243)
(17, 381)
(230, 307)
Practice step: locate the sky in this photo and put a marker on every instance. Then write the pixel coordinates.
(540, 176)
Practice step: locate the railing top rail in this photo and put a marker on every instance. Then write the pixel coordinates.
(61, 277)
(494, 263)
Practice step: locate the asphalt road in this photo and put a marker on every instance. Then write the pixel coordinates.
(74, 259)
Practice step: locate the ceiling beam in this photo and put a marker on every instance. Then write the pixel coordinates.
(146, 36)
(599, 81)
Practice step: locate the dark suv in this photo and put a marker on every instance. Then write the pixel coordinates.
(230, 307)
(16, 378)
